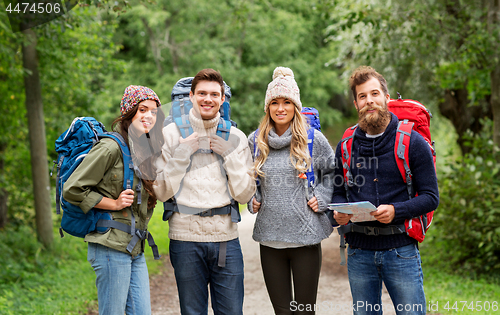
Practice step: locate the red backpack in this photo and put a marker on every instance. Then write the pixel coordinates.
(412, 115)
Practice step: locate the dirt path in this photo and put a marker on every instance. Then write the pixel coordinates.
(334, 295)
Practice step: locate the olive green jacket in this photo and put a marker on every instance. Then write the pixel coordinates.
(101, 175)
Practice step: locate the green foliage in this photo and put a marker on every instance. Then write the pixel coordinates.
(59, 280)
(73, 63)
(36, 281)
(468, 218)
(167, 40)
(14, 151)
(75, 51)
(425, 49)
(442, 287)
(421, 47)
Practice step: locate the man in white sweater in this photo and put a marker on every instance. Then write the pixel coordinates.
(206, 174)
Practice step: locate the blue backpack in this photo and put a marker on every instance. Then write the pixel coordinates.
(312, 116)
(179, 114)
(181, 105)
(72, 146)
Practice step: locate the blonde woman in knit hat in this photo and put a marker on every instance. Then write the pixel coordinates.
(291, 220)
(121, 275)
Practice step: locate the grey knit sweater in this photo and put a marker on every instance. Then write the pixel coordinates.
(284, 215)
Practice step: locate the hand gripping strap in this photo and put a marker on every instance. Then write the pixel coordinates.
(401, 151)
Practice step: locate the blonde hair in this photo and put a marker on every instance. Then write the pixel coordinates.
(299, 157)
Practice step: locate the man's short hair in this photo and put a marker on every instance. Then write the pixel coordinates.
(208, 75)
(363, 74)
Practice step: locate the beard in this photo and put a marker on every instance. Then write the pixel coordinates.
(376, 122)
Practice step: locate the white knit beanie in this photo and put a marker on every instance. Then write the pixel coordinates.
(283, 85)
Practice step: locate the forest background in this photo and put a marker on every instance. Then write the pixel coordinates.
(443, 53)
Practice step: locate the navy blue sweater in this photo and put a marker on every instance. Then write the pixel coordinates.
(378, 180)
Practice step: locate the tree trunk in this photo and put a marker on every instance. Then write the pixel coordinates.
(155, 48)
(169, 42)
(494, 24)
(38, 145)
(4, 197)
(495, 103)
(456, 108)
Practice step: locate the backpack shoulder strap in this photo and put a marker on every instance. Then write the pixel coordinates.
(401, 152)
(180, 115)
(255, 148)
(345, 148)
(128, 165)
(225, 110)
(311, 180)
(223, 128)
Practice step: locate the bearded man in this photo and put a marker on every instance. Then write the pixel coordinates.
(378, 253)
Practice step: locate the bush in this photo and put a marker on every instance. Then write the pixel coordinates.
(41, 281)
(468, 218)
(58, 280)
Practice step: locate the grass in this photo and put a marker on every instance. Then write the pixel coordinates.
(61, 281)
(34, 281)
(453, 294)
(451, 290)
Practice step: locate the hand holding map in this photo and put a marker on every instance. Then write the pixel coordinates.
(361, 210)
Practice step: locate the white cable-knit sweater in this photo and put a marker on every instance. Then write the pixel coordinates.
(204, 185)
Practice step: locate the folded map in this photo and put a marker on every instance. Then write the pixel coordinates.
(361, 210)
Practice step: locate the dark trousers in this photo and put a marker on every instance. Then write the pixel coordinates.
(282, 267)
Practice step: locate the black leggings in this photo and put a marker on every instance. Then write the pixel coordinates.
(279, 265)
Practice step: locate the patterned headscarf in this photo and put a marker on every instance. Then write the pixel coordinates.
(134, 94)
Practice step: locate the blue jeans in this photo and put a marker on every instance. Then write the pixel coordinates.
(399, 268)
(196, 266)
(122, 281)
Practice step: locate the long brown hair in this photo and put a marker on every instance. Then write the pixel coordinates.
(154, 139)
